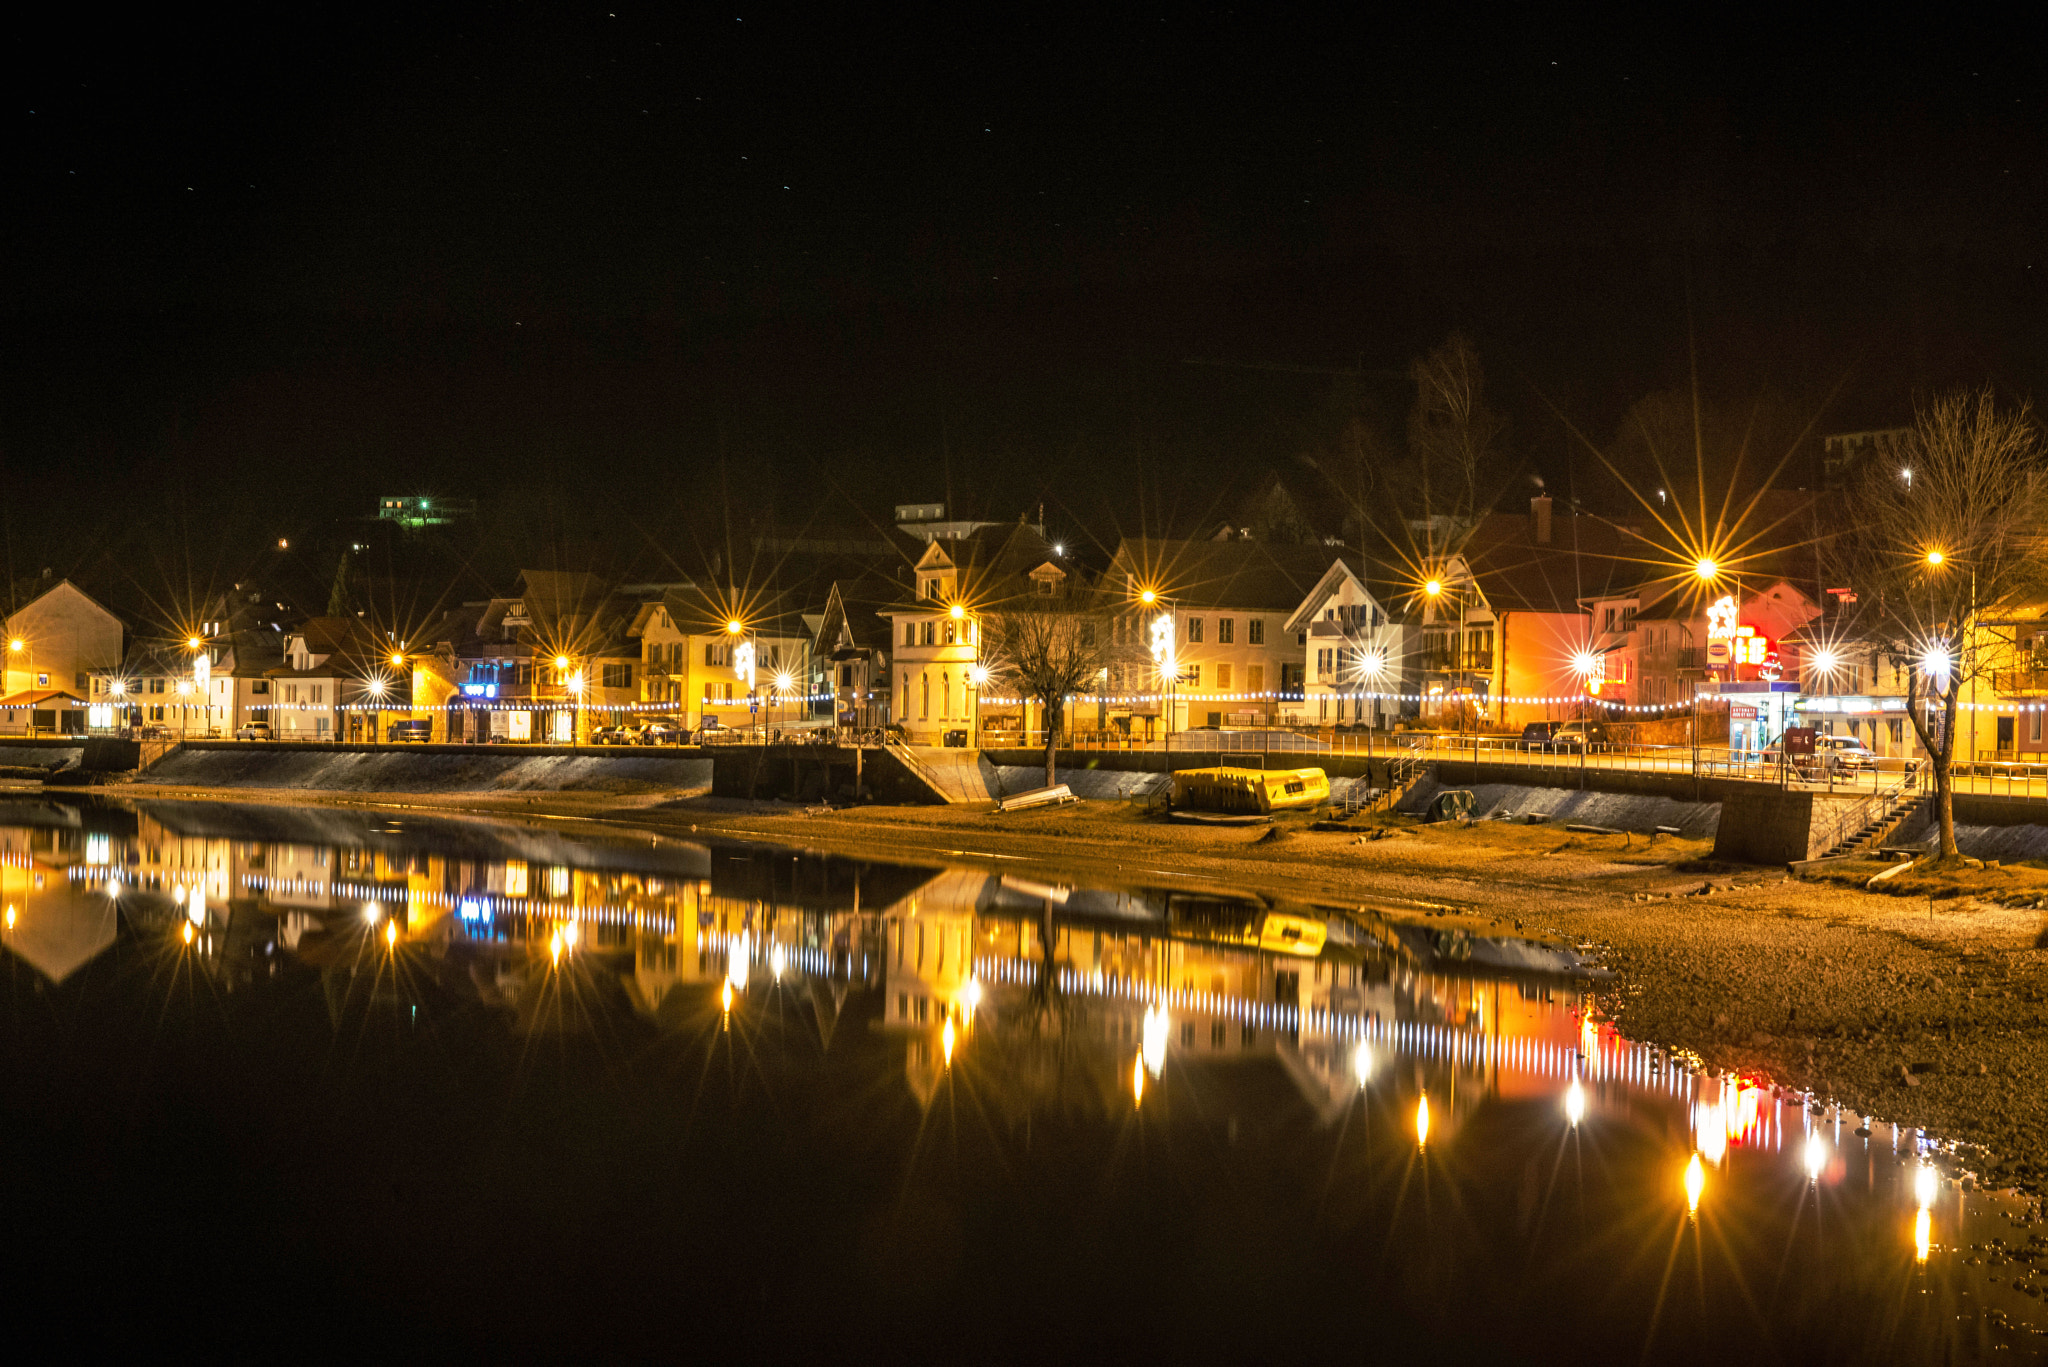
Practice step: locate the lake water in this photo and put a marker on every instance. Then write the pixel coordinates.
(320, 1082)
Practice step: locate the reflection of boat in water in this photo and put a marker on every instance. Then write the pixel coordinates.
(1451, 948)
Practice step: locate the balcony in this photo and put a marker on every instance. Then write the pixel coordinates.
(2019, 683)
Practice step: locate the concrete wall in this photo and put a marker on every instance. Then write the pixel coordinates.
(1762, 825)
(812, 773)
(93, 754)
(430, 768)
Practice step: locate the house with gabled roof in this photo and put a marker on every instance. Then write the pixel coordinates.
(851, 647)
(1231, 659)
(1357, 644)
(692, 660)
(54, 644)
(936, 632)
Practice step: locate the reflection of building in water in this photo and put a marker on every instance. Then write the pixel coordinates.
(1240, 983)
(53, 923)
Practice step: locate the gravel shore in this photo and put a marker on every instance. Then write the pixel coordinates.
(1923, 1004)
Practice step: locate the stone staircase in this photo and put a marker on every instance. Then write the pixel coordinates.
(1873, 822)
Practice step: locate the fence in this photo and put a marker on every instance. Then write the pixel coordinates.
(1824, 773)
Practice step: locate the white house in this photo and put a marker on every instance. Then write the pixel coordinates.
(1353, 647)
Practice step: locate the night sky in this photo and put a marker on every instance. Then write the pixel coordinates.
(636, 277)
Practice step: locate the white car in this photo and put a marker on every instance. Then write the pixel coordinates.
(1843, 752)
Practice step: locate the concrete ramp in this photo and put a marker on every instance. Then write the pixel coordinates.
(428, 769)
(953, 775)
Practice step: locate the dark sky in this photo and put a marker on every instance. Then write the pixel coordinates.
(631, 273)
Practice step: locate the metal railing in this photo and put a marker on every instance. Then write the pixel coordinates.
(2000, 778)
(1879, 807)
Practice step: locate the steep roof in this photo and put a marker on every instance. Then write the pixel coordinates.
(1254, 576)
(993, 565)
(1585, 556)
(61, 585)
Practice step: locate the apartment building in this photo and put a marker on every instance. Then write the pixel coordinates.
(1206, 624)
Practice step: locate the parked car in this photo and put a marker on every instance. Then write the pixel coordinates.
(715, 732)
(660, 731)
(1576, 736)
(1564, 737)
(1837, 753)
(411, 730)
(155, 730)
(253, 730)
(620, 734)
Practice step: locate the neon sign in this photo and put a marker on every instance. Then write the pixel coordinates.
(1161, 643)
(1729, 642)
(1721, 619)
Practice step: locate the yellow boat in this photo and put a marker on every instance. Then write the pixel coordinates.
(1249, 790)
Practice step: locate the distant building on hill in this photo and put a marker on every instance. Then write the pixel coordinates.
(419, 510)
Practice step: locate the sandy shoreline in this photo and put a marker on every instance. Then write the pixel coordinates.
(1928, 1012)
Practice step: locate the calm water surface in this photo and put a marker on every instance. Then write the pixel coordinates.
(324, 1082)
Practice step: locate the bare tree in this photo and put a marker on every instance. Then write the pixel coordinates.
(1050, 652)
(1452, 433)
(1935, 553)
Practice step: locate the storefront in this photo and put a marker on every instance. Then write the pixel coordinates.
(1759, 710)
(1879, 722)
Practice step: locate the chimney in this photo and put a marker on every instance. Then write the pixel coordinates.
(1539, 518)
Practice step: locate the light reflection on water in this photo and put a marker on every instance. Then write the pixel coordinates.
(1432, 1121)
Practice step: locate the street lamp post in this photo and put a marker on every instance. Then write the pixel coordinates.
(1705, 572)
(1165, 657)
(1966, 645)
(398, 667)
(17, 646)
(572, 684)
(744, 663)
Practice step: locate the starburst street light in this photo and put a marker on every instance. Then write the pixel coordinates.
(1826, 660)
(1705, 570)
(1148, 598)
(1935, 660)
(734, 627)
(958, 611)
(1936, 559)
(1434, 588)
